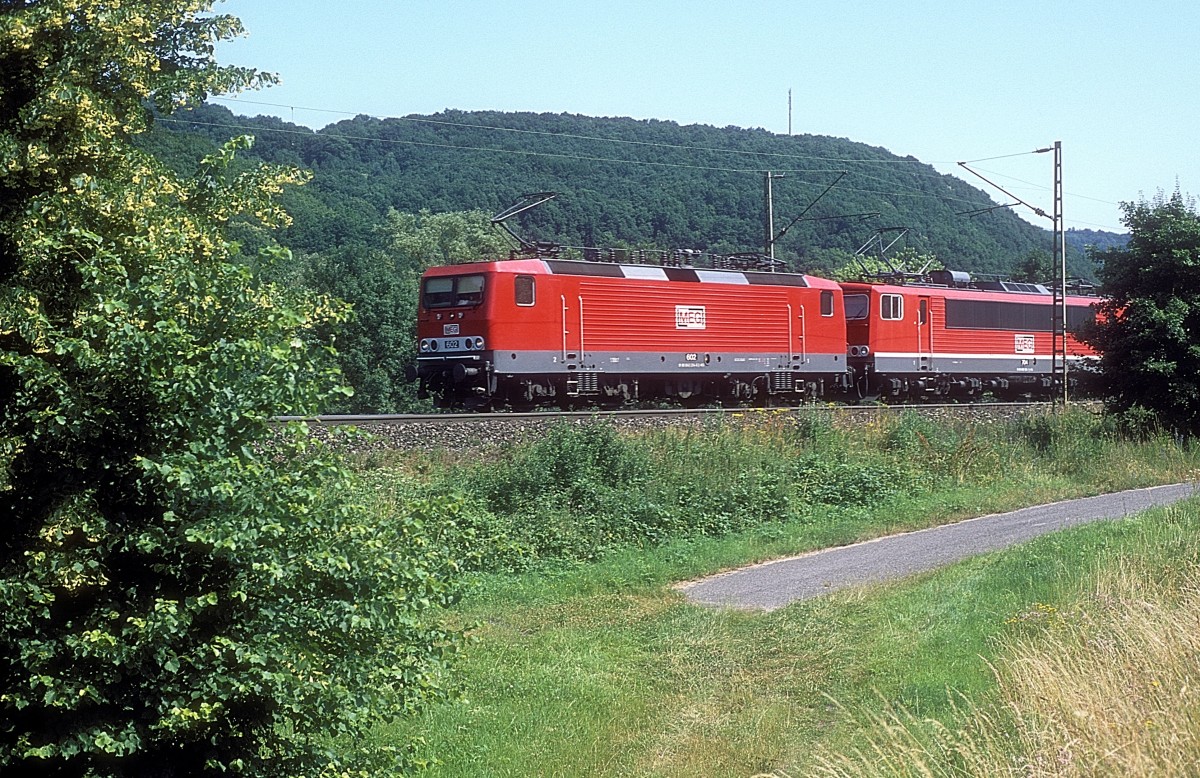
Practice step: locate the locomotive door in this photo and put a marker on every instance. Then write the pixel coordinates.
(924, 333)
(797, 336)
(572, 331)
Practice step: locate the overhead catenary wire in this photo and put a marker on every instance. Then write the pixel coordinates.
(586, 158)
(716, 150)
(1040, 187)
(1035, 185)
(932, 175)
(1039, 211)
(999, 156)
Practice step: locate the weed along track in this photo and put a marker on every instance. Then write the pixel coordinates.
(464, 431)
(774, 584)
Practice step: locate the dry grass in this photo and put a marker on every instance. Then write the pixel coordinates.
(1115, 688)
(1109, 688)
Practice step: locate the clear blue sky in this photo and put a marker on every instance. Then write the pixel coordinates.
(941, 81)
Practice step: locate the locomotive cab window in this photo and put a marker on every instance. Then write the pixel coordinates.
(826, 303)
(857, 306)
(524, 288)
(891, 307)
(468, 290)
(452, 291)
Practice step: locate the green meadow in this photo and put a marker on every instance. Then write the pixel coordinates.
(586, 662)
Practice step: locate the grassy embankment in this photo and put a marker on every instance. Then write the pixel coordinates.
(588, 663)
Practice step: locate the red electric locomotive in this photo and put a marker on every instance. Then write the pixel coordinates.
(541, 329)
(957, 338)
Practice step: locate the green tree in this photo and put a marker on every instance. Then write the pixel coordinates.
(379, 343)
(1036, 267)
(423, 240)
(1149, 333)
(858, 266)
(184, 589)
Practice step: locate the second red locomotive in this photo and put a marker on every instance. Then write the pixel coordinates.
(952, 337)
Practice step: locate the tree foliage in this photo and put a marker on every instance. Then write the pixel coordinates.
(182, 591)
(1036, 267)
(1149, 335)
(379, 342)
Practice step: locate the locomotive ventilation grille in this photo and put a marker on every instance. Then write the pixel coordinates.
(781, 381)
(583, 383)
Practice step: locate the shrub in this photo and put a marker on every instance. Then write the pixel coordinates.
(1069, 441)
(182, 593)
(833, 481)
(571, 463)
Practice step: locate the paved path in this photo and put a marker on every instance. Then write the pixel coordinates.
(774, 584)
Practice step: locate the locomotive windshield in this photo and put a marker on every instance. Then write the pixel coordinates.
(452, 291)
(857, 306)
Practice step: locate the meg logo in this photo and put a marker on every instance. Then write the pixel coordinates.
(689, 317)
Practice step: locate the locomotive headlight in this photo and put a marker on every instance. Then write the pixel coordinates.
(468, 344)
(424, 344)
(479, 344)
(432, 344)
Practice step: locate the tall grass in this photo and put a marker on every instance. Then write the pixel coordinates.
(624, 679)
(1107, 684)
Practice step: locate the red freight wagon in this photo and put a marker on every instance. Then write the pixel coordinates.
(921, 341)
(528, 330)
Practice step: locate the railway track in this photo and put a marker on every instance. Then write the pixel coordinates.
(999, 408)
(459, 431)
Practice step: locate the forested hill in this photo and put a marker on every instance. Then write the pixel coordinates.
(620, 182)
